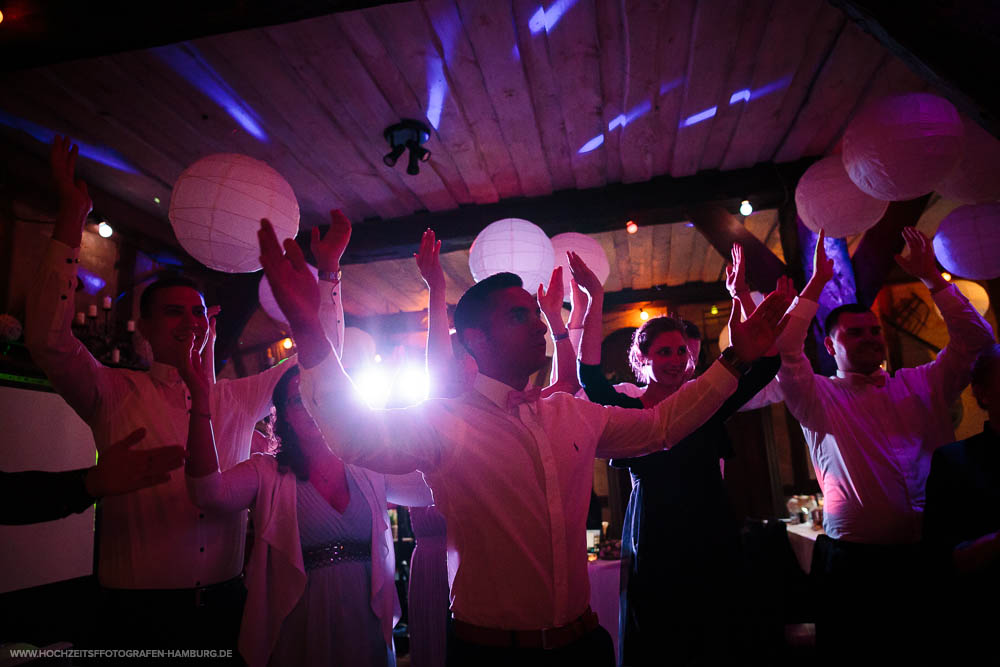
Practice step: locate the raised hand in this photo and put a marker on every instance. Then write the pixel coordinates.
(754, 337)
(74, 200)
(208, 351)
(429, 262)
(551, 300)
(583, 276)
(295, 289)
(921, 263)
(199, 377)
(736, 273)
(329, 249)
(122, 469)
(822, 270)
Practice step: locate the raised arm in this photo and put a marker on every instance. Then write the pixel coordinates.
(388, 441)
(593, 324)
(736, 280)
(440, 360)
(968, 333)
(74, 372)
(563, 360)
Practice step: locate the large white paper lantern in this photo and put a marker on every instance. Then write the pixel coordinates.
(217, 205)
(976, 177)
(516, 246)
(967, 242)
(975, 293)
(901, 147)
(826, 198)
(589, 250)
(266, 297)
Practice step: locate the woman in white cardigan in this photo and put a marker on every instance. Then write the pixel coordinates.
(320, 579)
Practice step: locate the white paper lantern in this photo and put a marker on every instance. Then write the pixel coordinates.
(516, 246)
(976, 177)
(359, 348)
(827, 198)
(10, 328)
(217, 205)
(901, 147)
(266, 297)
(967, 242)
(589, 250)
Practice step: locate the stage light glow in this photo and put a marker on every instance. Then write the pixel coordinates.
(412, 385)
(287, 343)
(373, 385)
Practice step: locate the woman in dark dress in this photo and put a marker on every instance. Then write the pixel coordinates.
(680, 542)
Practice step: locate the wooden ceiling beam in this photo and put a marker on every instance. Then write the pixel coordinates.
(660, 200)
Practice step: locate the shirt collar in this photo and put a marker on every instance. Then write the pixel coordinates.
(856, 379)
(494, 390)
(164, 373)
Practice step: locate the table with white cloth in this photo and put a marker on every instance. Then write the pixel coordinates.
(605, 578)
(802, 537)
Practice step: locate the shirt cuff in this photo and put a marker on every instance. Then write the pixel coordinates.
(803, 309)
(719, 379)
(949, 299)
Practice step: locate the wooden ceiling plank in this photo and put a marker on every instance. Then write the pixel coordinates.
(607, 241)
(739, 77)
(640, 247)
(611, 42)
(672, 51)
(322, 135)
(841, 81)
(682, 241)
(457, 274)
(545, 95)
(468, 122)
(713, 265)
(784, 45)
(662, 235)
(245, 61)
(639, 138)
(574, 53)
(409, 43)
(490, 26)
(623, 260)
(709, 60)
(821, 41)
(326, 65)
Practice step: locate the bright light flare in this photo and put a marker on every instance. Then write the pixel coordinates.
(745, 208)
(105, 230)
(643, 315)
(413, 385)
(287, 343)
(373, 385)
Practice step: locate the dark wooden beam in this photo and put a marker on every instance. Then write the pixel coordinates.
(40, 32)
(952, 45)
(660, 200)
(723, 229)
(874, 257)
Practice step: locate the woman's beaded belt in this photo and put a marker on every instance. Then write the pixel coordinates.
(324, 555)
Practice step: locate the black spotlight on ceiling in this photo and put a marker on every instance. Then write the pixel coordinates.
(407, 134)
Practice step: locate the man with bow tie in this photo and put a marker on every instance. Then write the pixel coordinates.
(871, 437)
(511, 472)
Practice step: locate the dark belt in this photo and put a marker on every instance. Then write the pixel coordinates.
(324, 555)
(179, 598)
(547, 638)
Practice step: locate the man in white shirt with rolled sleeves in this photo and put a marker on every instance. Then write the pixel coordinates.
(169, 572)
(871, 437)
(512, 474)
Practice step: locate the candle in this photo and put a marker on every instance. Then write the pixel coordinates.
(81, 318)
(106, 304)
(91, 310)
(130, 326)
(116, 356)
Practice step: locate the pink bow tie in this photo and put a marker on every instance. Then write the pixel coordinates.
(529, 395)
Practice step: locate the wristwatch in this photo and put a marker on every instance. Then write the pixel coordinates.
(730, 358)
(331, 276)
(560, 336)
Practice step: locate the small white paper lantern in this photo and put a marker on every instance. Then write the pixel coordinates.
(975, 293)
(589, 250)
(10, 328)
(516, 246)
(967, 242)
(266, 297)
(901, 147)
(826, 198)
(976, 177)
(217, 205)
(359, 348)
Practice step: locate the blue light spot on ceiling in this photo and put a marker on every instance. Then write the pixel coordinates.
(92, 283)
(190, 64)
(546, 19)
(105, 156)
(621, 120)
(592, 144)
(437, 88)
(740, 95)
(670, 85)
(771, 87)
(516, 53)
(698, 117)
(617, 121)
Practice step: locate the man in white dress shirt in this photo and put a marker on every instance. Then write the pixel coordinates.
(871, 437)
(510, 472)
(169, 572)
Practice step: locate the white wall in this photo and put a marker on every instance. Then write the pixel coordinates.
(41, 432)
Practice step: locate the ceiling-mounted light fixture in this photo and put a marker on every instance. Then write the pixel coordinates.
(643, 315)
(746, 208)
(631, 227)
(407, 134)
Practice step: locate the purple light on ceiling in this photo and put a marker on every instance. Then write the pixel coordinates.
(592, 144)
(621, 120)
(670, 85)
(740, 96)
(105, 156)
(771, 87)
(186, 60)
(698, 117)
(437, 88)
(546, 19)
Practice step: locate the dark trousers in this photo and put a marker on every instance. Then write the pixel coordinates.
(595, 649)
(871, 602)
(206, 619)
